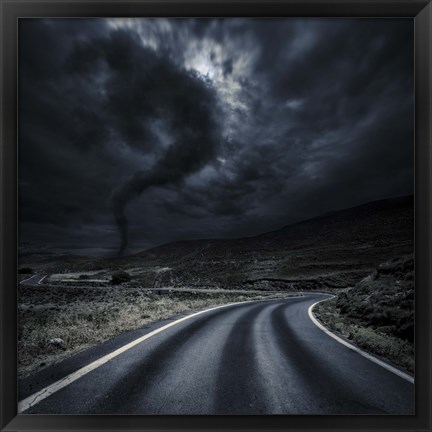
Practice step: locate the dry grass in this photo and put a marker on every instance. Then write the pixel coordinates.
(394, 349)
(86, 316)
(378, 312)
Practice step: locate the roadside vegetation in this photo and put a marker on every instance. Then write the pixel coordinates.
(56, 322)
(377, 314)
(329, 252)
(84, 301)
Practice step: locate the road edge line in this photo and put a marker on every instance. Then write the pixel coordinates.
(25, 280)
(352, 347)
(42, 394)
(35, 398)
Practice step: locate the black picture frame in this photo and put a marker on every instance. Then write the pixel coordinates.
(420, 11)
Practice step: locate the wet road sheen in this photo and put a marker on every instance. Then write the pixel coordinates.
(253, 358)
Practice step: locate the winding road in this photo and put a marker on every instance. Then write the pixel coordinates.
(34, 280)
(265, 357)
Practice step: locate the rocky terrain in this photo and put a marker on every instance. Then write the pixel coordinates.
(333, 251)
(378, 312)
(83, 301)
(55, 321)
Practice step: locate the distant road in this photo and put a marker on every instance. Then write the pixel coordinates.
(34, 280)
(265, 357)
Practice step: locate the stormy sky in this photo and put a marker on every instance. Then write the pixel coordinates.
(139, 132)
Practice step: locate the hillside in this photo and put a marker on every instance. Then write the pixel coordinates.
(330, 251)
(378, 312)
(324, 252)
(79, 304)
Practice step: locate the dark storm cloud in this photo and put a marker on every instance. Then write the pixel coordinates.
(208, 128)
(141, 87)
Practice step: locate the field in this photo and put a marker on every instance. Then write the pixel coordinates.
(84, 301)
(56, 321)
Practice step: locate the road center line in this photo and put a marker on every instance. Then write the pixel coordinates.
(370, 357)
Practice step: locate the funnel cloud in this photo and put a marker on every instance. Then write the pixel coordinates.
(138, 132)
(150, 87)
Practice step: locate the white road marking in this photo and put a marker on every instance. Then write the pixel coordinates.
(25, 280)
(379, 362)
(53, 388)
(41, 280)
(31, 277)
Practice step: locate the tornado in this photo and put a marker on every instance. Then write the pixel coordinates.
(142, 86)
(190, 153)
(195, 144)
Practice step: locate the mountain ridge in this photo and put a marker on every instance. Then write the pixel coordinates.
(406, 200)
(334, 250)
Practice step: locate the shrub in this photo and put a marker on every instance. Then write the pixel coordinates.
(120, 277)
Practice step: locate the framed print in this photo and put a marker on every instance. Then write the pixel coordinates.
(216, 216)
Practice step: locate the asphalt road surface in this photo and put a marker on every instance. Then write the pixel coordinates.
(263, 357)
(34, 280)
